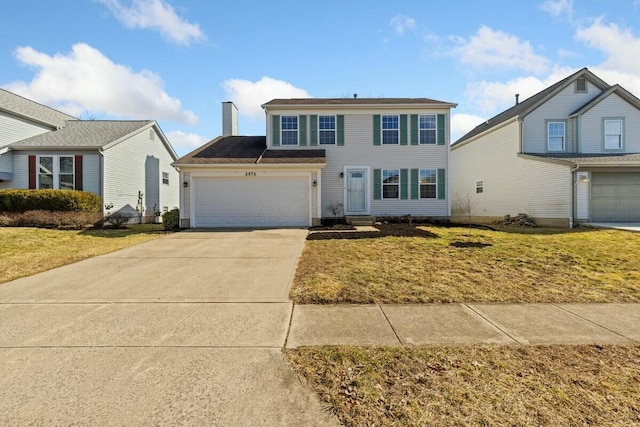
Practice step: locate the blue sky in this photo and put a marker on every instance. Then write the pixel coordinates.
(175, 61)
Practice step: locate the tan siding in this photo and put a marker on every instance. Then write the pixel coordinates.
(511, 184)
(13, 129)
(559, 107)
(186, 197)
(592, 125)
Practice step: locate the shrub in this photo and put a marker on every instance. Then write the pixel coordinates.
(117, 220)
(16, 201)
(171, 219)
(50, 219)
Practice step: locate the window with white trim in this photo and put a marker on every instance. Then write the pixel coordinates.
(390, 183)
(613, 134)
(165, 178)
(581, 85)
(479, 186)
(55, 172)
(289, 130)
(427, 129)
(556, 136)
(327, 130)
(390, 129)
(428, 183)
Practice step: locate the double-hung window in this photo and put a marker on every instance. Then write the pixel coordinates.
(613, 134)
(390, 130)
(390, 183)
(55, 172)
(165, 178)
(427, 129)
(327, 130)
(428, 183)
(556, 136)
(289, 130)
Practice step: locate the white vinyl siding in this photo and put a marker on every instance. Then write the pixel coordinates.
(13, 129)
(511, 184)
(592, 132)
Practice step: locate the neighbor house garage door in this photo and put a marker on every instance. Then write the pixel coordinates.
(615, 197)
(251, 202)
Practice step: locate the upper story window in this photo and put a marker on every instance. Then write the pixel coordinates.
(581, 85)
(55, 172)
(479, 186)
(390, 183)
(390, 129)
(327, 130)
(613, 134)
(428, 183)
(289, 130)
(556, 136)
(165, 178)
(427, 129)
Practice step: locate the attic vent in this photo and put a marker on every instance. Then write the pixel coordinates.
(152, 135)
(581, 85)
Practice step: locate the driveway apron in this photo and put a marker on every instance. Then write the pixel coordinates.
(184, 329)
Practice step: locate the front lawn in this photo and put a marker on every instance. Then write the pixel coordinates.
(480, 385)
(26, 251)
(430, 264)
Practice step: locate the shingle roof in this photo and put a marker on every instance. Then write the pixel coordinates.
(82, 134)
(529, 104)
(355, 101)
(26, 108)
(247, 150)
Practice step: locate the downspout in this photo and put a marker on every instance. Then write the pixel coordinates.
(574, 182)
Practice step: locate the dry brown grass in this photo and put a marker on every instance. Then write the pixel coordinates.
(518, 265)
(26, 251)
(488, 386)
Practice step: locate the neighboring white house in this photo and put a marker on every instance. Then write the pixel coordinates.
(566, 155)
(127, 163)
(376, 157)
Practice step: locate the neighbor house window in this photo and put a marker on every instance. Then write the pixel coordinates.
(390, 129)
(327, 130)
(165, 178)
(479, 187)
(428, 183)
(428, 129)
(55, 172)
(581, 85)
(613, 134)
(390, 183)
(289, 126)
(555, 136)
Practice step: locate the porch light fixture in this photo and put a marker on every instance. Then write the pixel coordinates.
(185, 184)
(341, 174)
(315, 183)
(583, 178)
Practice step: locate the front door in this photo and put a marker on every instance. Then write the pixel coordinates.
(356, 191)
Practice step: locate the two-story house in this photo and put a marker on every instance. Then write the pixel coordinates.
(569, 154)
(372, 157)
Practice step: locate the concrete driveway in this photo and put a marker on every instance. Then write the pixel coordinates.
(185, 329)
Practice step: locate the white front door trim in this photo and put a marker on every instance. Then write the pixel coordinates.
(367, 189)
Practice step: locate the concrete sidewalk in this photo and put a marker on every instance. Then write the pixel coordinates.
(464, 324)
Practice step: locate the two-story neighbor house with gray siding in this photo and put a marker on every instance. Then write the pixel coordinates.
(376, 157)
(566, 155)
(127, 163)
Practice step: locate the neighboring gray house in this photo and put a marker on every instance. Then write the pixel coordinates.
(566, 155)
(127, 163)
(376, 157)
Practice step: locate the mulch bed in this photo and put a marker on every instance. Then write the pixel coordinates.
(384, 230)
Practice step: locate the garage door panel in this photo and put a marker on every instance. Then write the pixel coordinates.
(238, 202)
(615, 197)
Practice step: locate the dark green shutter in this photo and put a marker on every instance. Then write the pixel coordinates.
(441, 184)
(403, 129)
(441, 129)
(377, 184)
(340, 130)
(313, 139)
(414, 129)
(376, 129)
(302, 130)
(275, 129)
(404, 184)
(415, 184)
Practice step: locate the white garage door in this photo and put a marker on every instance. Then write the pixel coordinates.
(251, 202)
(615, 197)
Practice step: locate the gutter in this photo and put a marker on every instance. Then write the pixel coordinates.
(573, 193)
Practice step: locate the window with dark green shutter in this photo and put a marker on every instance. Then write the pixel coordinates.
(302, 129)
(414, 129)
(275, 130)
(313, 128)
(442, 194)
(340, 124)
(404, 184)
(403, 129)
(377, 184)
(441, 129)
(376, 129)
(415, 184)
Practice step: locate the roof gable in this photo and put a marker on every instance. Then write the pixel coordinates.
(618, 90)
(28, 109)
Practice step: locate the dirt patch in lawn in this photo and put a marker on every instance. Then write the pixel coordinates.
(422, 264)
(491, 385)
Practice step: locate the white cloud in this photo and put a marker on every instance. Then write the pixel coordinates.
(401, 23)
(558, 8)
(629, 81)
(248, 96)
(86, 80)
(490, 48)
(620, 45)
(157, 15)
(463, 123)
(185, 142)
